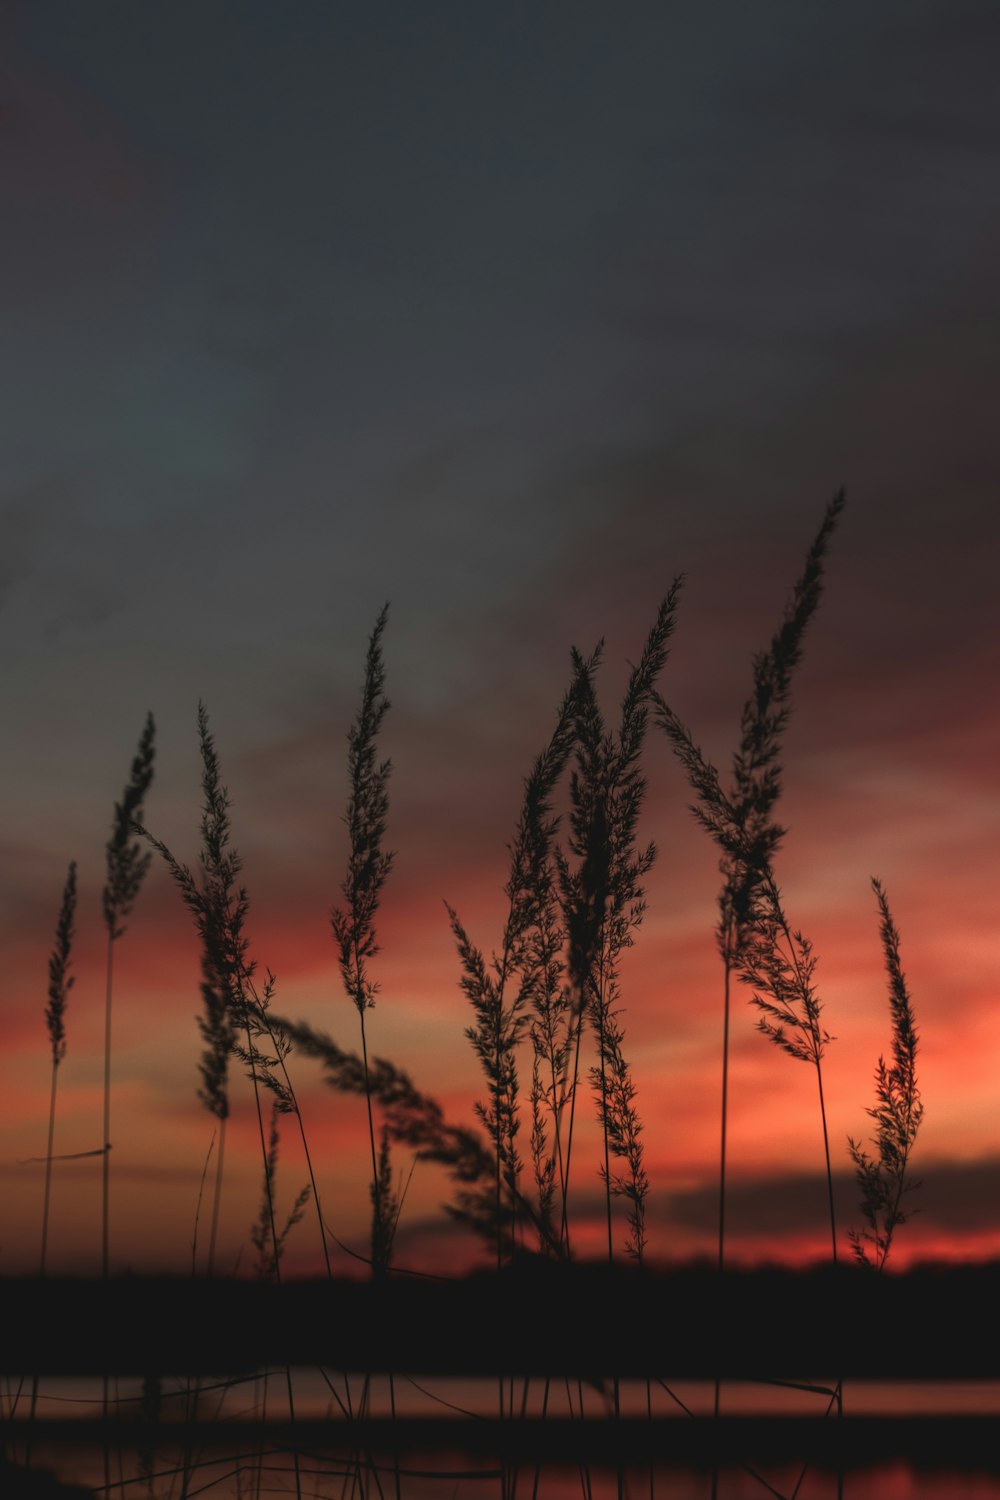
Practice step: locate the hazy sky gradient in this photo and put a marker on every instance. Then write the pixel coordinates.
(506, 315)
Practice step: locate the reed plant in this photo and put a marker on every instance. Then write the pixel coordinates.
(751, 922)
(368, 867)
(236, 1018)
(501, 992)
(882, 1178)
(604, 901)
(126, 867)
(61, 981)
(751, 927)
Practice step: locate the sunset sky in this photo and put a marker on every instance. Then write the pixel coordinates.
(507, 315)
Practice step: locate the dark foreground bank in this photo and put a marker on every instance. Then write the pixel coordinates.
(932, 1323)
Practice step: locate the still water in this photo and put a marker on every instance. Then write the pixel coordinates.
(227, 1473)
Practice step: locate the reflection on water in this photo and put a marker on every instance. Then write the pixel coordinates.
(239, 1477)
(318, 1395)
(234, 1475)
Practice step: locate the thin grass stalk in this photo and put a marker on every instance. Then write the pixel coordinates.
(550, 1032)
(276, 1032)
(897, 1115)
(219, 908)
(368, 865)
(790, 1012)
(786, 997)
(353, 927)
(217, 1194)
(197, 1210)
(126, 869)
(604, 904)
(60, 983)
(273, 1230)
(742, 822)
(584, 891)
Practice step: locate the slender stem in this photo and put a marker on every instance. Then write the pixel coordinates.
(106, 1182)
(604, 1126)
(564, 1227)
(308, 1156)
(724, 1134)
(724, 1137)
(48, 1168)
(829, 1169)
(376, 1185)
(816, 1048)
(315, 1189)
(839, 1393)
(106, 1164)
(217, 1195)
(557, 1107)
(274, 1235)
(379, 1267)
(45, 1235)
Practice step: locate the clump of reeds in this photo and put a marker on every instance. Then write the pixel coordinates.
(556, 970)
(897, 1115)
(236, 1018)
(603, 901)
(219, 907)
(501, 992)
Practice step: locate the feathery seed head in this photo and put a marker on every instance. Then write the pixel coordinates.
(126, 863)
(60, 979)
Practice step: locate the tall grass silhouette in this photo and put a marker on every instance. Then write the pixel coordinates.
(751, 920)
(368, 866)
(545, 1018)
(897, 1115)
(61, 981)
(236, 1014)
(500, 994)
(753, 936)
(126, 867)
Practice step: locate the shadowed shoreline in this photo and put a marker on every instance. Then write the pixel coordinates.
(925, 1324)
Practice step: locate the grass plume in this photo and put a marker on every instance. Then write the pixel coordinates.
(368, 867)
(60, 983)
(126, 865)
(742, 823)
(603, 900)
(219, 907)
(897, 1115)
(501, 991)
